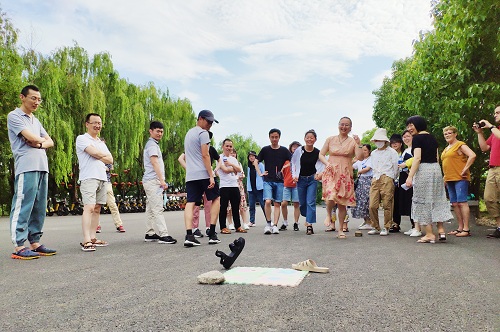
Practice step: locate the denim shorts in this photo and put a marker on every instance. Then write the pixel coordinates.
(458, 191)
(290, 194)
(273, 191)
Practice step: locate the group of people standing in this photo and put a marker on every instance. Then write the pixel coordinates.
(404, 182)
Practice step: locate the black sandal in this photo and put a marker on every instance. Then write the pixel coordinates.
(309, 230)
(442, 237)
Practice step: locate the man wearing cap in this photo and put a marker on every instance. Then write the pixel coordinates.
(200, 177)
(274, 157)
(255, 186)
(492, 187)
(385, 170)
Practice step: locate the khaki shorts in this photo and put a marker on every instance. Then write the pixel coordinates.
(93, 191)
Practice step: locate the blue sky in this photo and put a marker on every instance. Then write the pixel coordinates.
(295, 65)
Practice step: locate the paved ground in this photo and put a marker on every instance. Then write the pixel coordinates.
(375, 283)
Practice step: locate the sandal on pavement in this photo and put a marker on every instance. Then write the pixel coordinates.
(44, 251)
(463, 233)
(88, 246)
(455, 232)
(225, 231)
(310, 265)
(426, 240)
(442, 237)
(342, 236)
(330, 228)
(345, 230)
(99, 243)
(309, 230)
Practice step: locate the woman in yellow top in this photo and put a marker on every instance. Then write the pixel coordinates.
(457, 158)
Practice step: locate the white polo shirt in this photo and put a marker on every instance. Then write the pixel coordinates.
(90, 167)
(227, 180)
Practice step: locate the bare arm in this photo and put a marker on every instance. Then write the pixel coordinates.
(182, 160)
(471, 157)
(417, 157)
(480, 138)
(323, 152)
(105, 157)
(158, 171)
(206, 161)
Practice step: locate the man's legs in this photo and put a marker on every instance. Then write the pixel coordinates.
(492, 197)
(155, 221)
(374, 203)
(251, 205)
(113, 208)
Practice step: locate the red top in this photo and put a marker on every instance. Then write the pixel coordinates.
(494, 144)
(287, 175)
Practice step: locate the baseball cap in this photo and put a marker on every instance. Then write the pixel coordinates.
(208, 115)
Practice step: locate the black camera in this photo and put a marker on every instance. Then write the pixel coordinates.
(481, 124)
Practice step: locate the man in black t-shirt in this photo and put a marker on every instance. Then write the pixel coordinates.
(273, 156)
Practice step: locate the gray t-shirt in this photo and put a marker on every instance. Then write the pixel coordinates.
(152, 149)
(195, 168)
(26, 158)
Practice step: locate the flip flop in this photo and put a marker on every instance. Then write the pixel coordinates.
(426, 241)
(310, 265)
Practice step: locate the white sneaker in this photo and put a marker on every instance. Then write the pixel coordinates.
(408, 232)
(267, 230)
(415, 233)
(252, 224)
(373, 232)
(384, 232)
(365, 227)
(231, 227)
(276, 230)
(246, 227)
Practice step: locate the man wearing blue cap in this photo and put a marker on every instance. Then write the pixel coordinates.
(200, 177)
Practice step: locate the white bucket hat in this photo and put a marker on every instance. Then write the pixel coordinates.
(380, 135)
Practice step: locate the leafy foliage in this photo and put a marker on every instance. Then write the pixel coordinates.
(452, 78)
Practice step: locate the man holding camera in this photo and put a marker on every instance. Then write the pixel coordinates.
(492, 186)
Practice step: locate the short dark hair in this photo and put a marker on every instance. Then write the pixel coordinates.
(155, 125)
(87, 118)
(418, 121)
(225, 140)
(275, 130)
(27, 89)
(311, 131)
(368, 146)
(404, 132)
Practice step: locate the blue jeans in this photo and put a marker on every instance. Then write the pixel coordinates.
(253, 197)
(306, 187)
(29, 204)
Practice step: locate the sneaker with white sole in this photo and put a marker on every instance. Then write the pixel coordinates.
(267, 230)
(416, 233)
(384, 232)
(231, 227)
(408, 232)
(213, 239)
(373, 232)
(246, 227)
(167, 239)
(275, 230)
(191, 241)
(197, 233)
(365, 227)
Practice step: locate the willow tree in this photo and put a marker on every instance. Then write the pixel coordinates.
(11, 67)
(453, 76)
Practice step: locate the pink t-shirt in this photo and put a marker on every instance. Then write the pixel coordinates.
(494, 144)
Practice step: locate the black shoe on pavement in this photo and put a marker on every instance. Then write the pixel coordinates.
(167, 239)
(394, 229)
(213, 239)
(197, 233)
(191, 241)
(295, 226)
(495, 234)
(151, 238)
(283, 227)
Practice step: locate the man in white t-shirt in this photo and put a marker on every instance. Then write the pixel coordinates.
(92, 154)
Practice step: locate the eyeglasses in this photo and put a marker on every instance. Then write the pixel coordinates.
(95, 123)
(39, 100)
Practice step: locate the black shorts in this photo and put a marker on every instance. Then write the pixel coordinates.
(196, 188)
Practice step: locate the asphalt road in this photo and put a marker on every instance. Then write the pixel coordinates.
(375, 283)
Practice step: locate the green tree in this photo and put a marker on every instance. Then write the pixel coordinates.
(452, 78)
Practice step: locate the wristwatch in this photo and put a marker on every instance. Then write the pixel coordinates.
(40, 145)
(492, 126)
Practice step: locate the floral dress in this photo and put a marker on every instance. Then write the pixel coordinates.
(338, 182)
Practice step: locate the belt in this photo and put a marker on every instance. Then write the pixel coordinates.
(306, 176)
